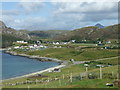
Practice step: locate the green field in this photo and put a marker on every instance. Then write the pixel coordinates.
(109, 61)
(76, 82)
(73, 53)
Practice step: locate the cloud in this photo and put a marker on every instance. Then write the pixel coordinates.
(31, 23)
(93, 10)
(76, 15)
(31, 7)
(63, 15)
(10, 12)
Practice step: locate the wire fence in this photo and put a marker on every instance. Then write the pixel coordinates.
(66, 79)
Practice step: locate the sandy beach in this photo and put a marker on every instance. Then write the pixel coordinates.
(35, 73)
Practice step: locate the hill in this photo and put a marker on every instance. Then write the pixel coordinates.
(99, 25)
(44, 34)
(91, 33)
(87, 34)
(10, 35)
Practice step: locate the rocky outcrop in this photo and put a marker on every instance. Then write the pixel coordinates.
(10, 31)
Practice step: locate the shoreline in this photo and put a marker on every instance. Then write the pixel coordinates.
(2, 49)
(61, 64)
(34, 73)
(42, 59)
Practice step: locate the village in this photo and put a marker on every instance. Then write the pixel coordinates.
(38, 45)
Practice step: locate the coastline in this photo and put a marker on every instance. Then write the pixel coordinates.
(61, 64)
(35, 73)
(2, 49)
(36, 57)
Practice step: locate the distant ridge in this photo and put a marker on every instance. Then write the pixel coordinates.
(99, 25)
(91, 33)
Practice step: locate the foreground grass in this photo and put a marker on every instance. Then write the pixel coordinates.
(65, 83)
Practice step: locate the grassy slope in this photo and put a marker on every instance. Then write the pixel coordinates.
(91, 83)
(91, 33)
(77, 54)
(110, 61)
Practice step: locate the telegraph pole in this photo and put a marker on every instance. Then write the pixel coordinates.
(86, 67)
(28, 87)
(100, 72)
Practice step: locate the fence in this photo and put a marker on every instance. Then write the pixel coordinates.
(66, 79)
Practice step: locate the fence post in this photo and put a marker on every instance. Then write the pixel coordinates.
(112, 74)
(28, 87)
(71, 78)
(48, 79)
(86, 72)
(86, 65)
(118, 76)
(63, 76)
(81, 76)
(59, 82)
(36, 81)
(100, 72)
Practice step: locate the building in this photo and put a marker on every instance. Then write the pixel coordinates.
(73, 41)
(56, 43)
(108, 42)
(57, 70)
(16, 47)
(22, 42)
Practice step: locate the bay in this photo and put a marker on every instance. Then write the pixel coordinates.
(13, 66)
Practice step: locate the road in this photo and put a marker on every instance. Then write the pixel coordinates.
(81, 62)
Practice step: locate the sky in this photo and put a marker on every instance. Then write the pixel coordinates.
(58, 15)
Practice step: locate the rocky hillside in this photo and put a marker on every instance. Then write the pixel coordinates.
(91, 33)
(10, 35)
(10, 31)
(44, 34)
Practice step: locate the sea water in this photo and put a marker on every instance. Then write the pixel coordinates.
(13, 66)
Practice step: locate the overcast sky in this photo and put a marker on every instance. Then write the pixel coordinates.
(58, 15)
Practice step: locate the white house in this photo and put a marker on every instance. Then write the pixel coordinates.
(65, 42)
(84, 40)
(30, 46)
(99, 42)
(23, 42)
(53, 42)
(35, 45)
(108, 42)
(72, 41)
(41, 46)
(16, 47)
(57, 43)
